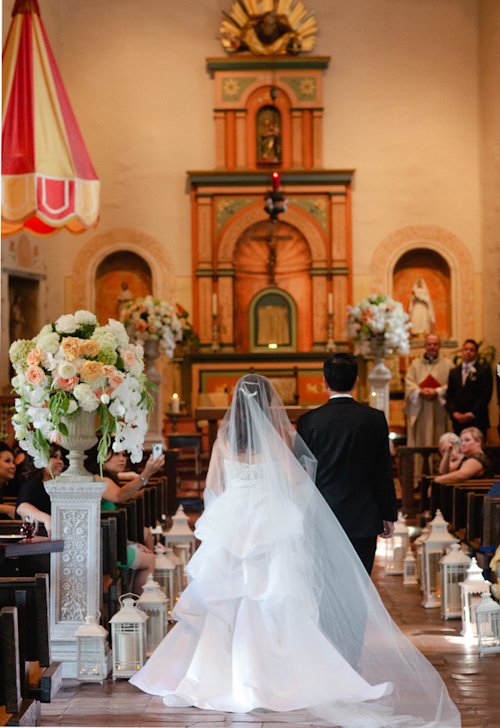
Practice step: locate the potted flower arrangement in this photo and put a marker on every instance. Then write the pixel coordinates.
(72, 371)
(150, 319)
(378, 325)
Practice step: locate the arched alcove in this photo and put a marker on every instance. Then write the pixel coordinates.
(430, 267)
(272, 321)
(120, 277)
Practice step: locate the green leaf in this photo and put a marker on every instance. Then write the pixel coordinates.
(62, 428)
(150, 385)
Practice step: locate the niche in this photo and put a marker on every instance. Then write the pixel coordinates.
(23, 307)
(268, 135)
(120, 277)
(273, 321)
(429, 267)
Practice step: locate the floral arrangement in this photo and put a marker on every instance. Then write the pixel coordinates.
(74, 364)
(378, 321)
(150, 318)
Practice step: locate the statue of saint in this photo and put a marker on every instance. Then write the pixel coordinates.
(122, 299)
(421, 309)
(17, 322)
(269, 135)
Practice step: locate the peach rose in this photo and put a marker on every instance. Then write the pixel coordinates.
(89, 347)
(91, 371)
(98, 392)
(71, 347)
(108, 370)
(141, 325)
(115, 381)
(128, 358)
(35, 357)
(67, 385)
(35, 375)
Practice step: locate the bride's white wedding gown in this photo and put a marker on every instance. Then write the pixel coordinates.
(247, 635)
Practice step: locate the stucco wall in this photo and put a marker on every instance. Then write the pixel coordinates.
(401, 107)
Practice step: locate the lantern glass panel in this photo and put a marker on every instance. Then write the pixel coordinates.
(155, 629)
(488, 628)
(128, 647)
(433, 575)
(90, 663)
(452, 576)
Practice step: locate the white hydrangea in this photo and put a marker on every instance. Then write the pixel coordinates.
(105, 337)
(49, 342)
(85, 318)
(45, 330)
(66, 324)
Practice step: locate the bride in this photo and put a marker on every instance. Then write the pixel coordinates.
(279, 613)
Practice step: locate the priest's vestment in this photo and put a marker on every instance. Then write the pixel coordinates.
(427, 418)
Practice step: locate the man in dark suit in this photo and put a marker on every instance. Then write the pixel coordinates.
(470, 386)
(350, 442)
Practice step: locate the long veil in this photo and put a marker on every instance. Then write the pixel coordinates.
(301, 557)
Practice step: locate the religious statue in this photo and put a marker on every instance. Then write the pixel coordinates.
(268, 33)
(421, 309)
(17, 322)
(122, 299)
(269, 135)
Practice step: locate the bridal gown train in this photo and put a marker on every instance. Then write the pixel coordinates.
(279, 613)
(229, 651)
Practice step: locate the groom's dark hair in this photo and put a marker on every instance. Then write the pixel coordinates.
(340, 372)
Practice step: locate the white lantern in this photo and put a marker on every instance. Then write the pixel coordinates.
(92, 651)
(488, 625)
(453, 570)
(154, 602)
(128, 634)
(410, 568)
(179, 571)
(181, 550)
(181, 532)
(471, 590)
(435, 546)
(396, 547)
(166, 577)
(419, 549)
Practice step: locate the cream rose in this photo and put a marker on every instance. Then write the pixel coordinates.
(35, 375)
(66, 324)
(129, 358)
(66, 370)
(70, 347)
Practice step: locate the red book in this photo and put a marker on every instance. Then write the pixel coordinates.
(430, 383)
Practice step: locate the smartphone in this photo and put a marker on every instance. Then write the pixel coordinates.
(157, 450)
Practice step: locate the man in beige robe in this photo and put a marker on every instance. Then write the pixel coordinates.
(426, 406)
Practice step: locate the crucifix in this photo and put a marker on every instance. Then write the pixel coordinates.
(271, 239)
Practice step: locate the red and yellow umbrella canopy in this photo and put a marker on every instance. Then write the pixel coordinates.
(48, 181)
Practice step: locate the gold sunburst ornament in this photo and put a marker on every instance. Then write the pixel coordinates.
(268, 27)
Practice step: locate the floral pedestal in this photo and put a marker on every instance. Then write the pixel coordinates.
(154, 433)
(379, 379)
(75, 579)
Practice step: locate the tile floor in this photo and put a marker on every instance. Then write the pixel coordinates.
(473, 682)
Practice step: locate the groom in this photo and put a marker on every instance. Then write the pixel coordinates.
(350, 442)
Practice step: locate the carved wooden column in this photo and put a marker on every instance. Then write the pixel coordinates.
(220, 139)
(75, 574)
(340, 268)
(319, 305)
(230, 139)
(226, 308)
(297, 139)
(204, 272)
(241, 138)
(317, 138)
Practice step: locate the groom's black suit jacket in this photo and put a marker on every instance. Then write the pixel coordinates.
(473, 397)
(350, 442)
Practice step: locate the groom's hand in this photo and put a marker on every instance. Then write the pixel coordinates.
(388, 529)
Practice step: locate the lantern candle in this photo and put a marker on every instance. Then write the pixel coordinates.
(175, 404)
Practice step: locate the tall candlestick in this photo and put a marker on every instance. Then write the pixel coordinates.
(175, 404)
(330, 303)
(214, 304)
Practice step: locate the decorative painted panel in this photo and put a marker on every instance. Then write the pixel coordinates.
(304, 88)
(226, 207)
(314, 206)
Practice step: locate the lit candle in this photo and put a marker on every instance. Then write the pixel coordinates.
(214, 304)
(175, 404)
(276, 180)
(330, 303)
(127, 651)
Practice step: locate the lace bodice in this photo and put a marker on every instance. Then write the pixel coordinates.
(234, 470)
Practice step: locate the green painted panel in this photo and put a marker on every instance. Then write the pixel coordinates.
(232, 88)
(303, 88)
(315, 206)
(226, 207)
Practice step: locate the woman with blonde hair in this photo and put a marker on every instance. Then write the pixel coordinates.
(475, 463)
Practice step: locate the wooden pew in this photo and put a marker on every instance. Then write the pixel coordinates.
(491, 526)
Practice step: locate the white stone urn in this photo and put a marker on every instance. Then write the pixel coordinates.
(81, 437)
(379, 377)
(151, 354)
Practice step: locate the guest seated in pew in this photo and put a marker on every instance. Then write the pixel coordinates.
(33, 500)
(475, 464)
(140, 559)
(451, 455)
(7, 473)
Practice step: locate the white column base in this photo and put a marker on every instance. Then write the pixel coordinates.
(76, 579)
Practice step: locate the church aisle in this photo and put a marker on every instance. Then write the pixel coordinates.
(471, 681)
